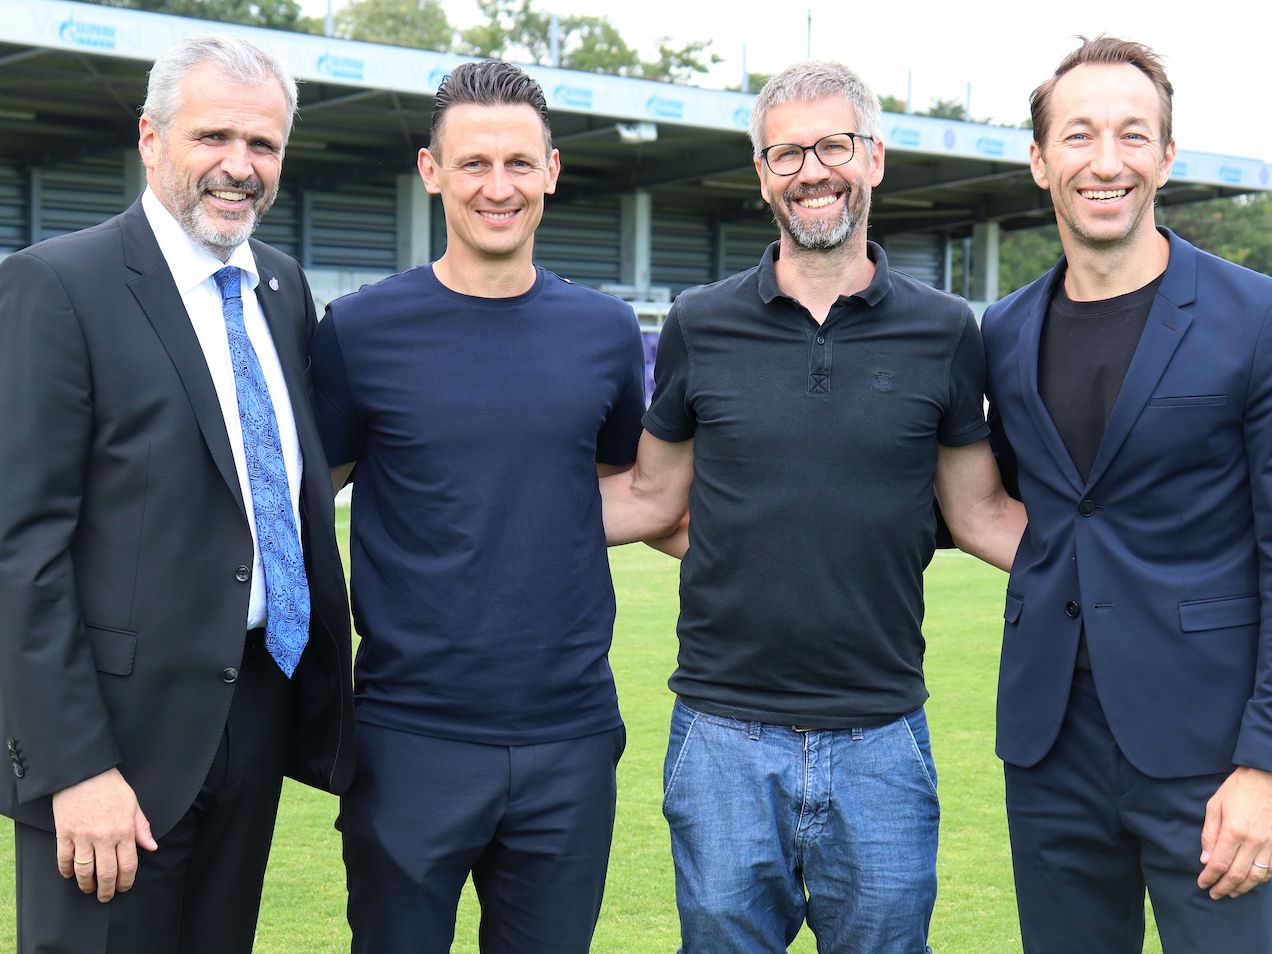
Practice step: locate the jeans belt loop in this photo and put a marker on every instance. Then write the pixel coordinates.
(753, 731)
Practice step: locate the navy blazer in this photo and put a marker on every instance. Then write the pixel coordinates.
(1164, 552)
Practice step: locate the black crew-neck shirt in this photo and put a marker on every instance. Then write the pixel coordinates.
(811, 516)
(1085, 350)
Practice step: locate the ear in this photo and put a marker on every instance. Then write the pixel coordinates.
(554, 170)
(148, 142)
(428, 168)
(1038, 166)
(759, 173)
(876, 162)
(1168, 163)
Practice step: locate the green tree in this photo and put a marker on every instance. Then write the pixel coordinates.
(274, 14)
(421, 24)
(517, 30)
(892, 104)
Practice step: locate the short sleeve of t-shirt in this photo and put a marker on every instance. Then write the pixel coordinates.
(964, 420)
(617, 439)
(339, 424)
(670, 417)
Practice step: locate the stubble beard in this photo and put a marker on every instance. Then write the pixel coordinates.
(821, 235)
(222, 232)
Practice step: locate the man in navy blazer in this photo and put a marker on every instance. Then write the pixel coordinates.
(1132, 397)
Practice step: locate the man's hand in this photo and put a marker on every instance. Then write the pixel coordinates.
(99, 826)
(1236, 840)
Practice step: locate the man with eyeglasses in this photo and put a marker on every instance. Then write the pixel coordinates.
(805, 410)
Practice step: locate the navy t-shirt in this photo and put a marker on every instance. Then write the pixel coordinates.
(479, 576)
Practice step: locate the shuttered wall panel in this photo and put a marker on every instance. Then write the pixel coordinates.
(13, 217)
(74, 196)
(744, 243)
(682, 252)
(278, 226)
(354, 226)
(918, 255)
(581, 242)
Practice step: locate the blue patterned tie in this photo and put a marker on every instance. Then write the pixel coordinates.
(286, 588)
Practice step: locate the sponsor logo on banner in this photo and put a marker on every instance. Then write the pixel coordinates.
(579, 97)
(904, 136)
(665, 107)
(1265, 174)
(1179, 169)
(989, 146)
(96, 36)
(340, 67)
(436, 76)
(1231, 175)
(949, 137)
(742, 117)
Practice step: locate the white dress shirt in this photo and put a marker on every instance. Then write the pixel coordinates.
(192, 268)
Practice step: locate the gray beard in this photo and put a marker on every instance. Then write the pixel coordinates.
(819, 236)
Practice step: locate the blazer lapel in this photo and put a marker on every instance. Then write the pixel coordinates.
(159, 299)
(1027, 354)
(1163, 331)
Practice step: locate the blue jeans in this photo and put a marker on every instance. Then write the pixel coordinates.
(771, 827)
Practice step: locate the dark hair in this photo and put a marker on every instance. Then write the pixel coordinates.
(1103, 51)
(487, 83)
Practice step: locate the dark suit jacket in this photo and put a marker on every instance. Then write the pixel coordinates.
(1165, 551)
(123, 537)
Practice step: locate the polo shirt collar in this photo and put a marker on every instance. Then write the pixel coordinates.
(874, 293)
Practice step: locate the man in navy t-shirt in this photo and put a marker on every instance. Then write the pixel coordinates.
(477, 399)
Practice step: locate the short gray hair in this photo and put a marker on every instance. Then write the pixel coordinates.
(813, 80)
(238, 59)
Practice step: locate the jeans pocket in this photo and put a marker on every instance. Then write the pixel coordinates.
(921, 740)
(683, 721)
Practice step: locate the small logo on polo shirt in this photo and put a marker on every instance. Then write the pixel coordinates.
(881, 380)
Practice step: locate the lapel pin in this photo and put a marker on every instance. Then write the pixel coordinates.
(273, 284)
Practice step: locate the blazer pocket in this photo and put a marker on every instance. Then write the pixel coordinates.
(1223, 613)
(113, 649)
(1011, 611)
(1189, 400)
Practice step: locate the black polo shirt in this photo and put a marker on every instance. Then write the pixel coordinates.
(811, 513)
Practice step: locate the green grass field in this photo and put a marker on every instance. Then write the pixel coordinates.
(303, 908)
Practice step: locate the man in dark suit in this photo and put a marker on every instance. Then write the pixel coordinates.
(173, 625)
(1132, 385)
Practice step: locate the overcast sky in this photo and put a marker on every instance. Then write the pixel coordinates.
(1218, 55)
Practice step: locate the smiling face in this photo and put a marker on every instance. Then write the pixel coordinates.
(1103, 156)
(216, 166)
(820, 207)
(492, 169)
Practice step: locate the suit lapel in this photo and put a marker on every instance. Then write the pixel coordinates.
(1028, 353)
(1163, 331)
(155, 291)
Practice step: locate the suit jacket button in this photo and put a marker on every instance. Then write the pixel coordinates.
(242, 574)
(1071, 609)
(1087, 507)
(12, 744)
(18, 770)
(229, 675)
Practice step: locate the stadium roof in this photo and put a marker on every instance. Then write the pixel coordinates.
(72, 76)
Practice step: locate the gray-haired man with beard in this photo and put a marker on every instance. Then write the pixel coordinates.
(805, 410)
(173, 622)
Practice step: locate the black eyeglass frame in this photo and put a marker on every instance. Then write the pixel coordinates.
(852, 138)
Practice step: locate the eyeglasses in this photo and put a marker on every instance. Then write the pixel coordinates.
(787, 158)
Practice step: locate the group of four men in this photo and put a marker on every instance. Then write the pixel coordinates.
(174, 618)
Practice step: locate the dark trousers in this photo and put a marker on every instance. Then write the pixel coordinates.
(532, 823)
(1089, 833)
(200, 892)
